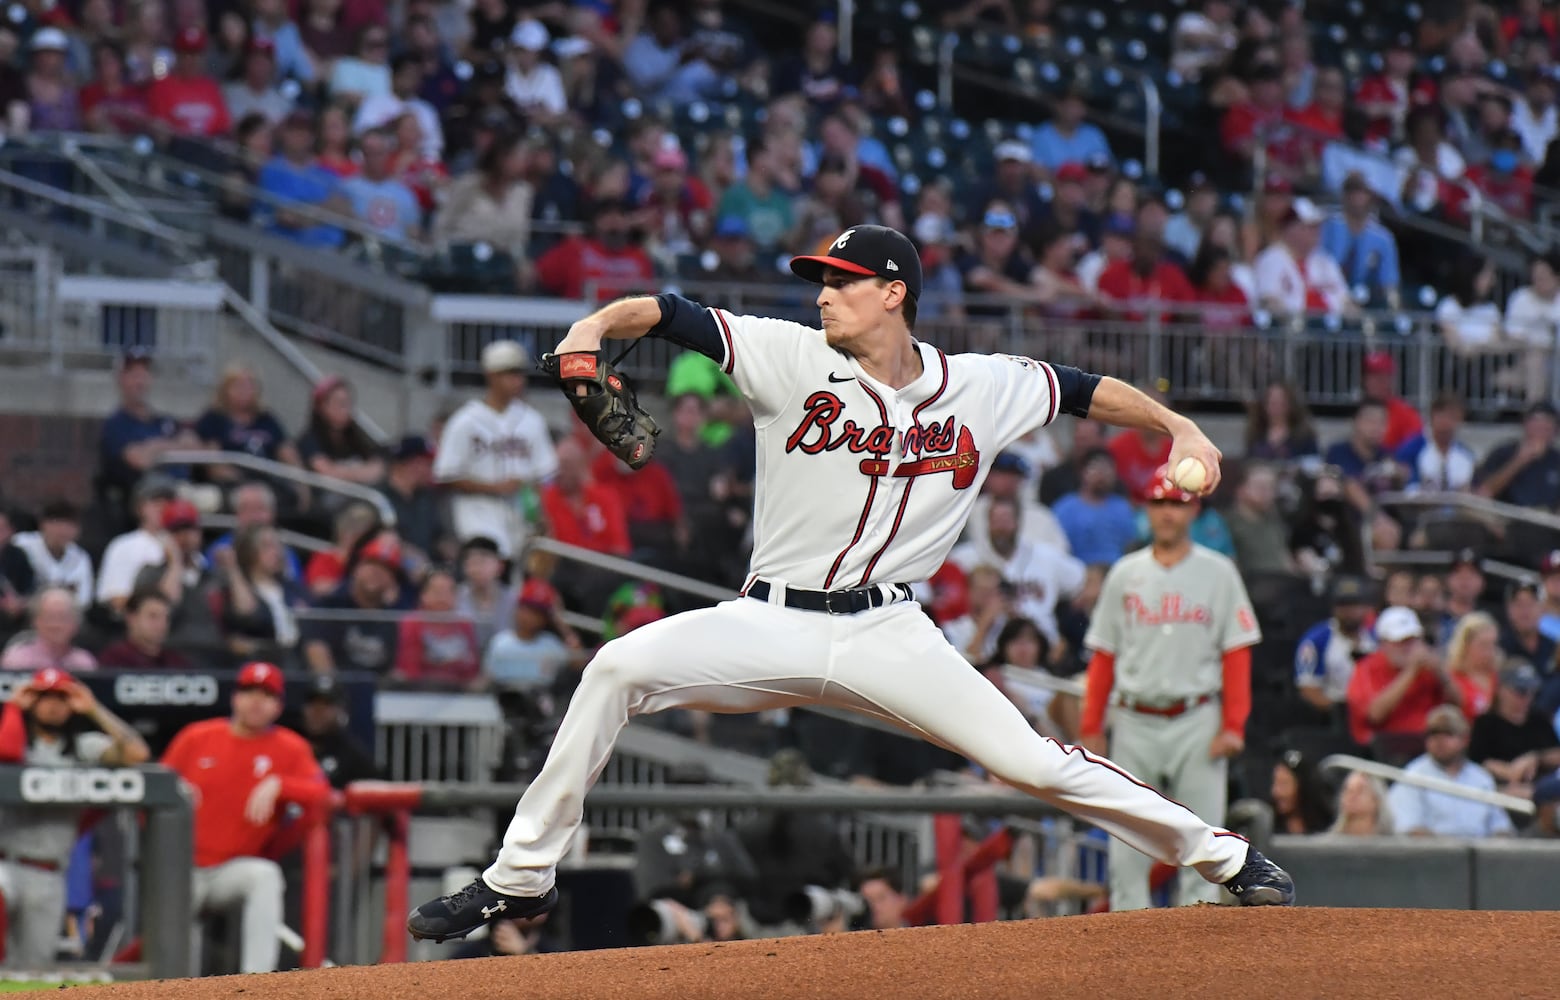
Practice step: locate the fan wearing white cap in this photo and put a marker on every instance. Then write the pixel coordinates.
(532, 82)
(492, 449)
(1294, 275)
(1394, 689)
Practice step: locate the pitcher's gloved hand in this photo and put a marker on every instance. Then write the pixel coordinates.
(606, 403)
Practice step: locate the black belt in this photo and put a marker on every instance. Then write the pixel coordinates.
(48, 866)
(836, 602)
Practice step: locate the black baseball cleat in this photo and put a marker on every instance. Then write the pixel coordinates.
(1261, 883)
(463, 911)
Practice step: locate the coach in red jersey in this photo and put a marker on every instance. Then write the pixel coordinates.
(243, 772)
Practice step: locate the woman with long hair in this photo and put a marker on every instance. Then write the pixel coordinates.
(1298, 796)
(1362, 808)
(335, 142)
(1022, 644)
(258, 598)
(1473, 658)
(237, 421)
(1278, 425)
(334, 445)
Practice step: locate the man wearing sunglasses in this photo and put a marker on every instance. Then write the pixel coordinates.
(872, 446)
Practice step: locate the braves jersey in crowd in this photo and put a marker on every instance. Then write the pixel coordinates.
(486, 446)
(1170, 626)
(1430, 468)
(1325, 658)
(885, 478)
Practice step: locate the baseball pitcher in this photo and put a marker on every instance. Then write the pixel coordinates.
(872, 446)
(1172, 636)
(38, 727)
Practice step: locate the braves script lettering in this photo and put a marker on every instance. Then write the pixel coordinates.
(817, 433)
(1172, 610)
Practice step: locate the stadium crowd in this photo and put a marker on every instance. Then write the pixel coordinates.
(426, 121)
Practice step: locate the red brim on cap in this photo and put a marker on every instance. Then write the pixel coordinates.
(811, 268)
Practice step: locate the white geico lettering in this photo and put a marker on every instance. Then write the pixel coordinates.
(170, 689)
(89, 786)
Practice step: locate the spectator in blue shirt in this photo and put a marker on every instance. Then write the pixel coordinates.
(1421, 812)
(1365, 250)
(1327, 653)
(1099, 523)
(295, 177)
(134, 436)
(1067, 138)
(1526, 471)
(1434, 459)
(380, 201)
(1366, 467)
(273, 23)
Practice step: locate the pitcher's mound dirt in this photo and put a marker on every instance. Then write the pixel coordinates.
(1198, 952)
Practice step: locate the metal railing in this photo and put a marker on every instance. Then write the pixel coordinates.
(290, 473)
(1396, 775)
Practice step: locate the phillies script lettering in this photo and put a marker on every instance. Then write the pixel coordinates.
(1172, 610)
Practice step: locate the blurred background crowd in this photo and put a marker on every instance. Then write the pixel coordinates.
(1321, 162)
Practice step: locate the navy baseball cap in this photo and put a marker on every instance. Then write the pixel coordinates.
(870, 250)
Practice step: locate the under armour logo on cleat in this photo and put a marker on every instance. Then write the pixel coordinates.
(499, 907)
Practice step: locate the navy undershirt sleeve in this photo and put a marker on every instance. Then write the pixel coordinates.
(688, 324)
(1075, 389)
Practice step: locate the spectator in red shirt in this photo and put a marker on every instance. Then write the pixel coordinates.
(604, 263)
(1322, 120)
(433, 650)
(1224, 307)
(1394, 689)
(1386, 97)
(651, 503)
(243, 771)
(1260, 120)
(1138, 454)
(1504, 179)
(676, 205)
(1379, 383)
(1530, 21)
(581, 511)
(111, 102)
(187, 101)
(1147, 277)
(145, 645)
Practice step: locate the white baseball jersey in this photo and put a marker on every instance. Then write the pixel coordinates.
(486, 446)
(859, 483)
(1040, 574)
(1170, 626)
(73, 569)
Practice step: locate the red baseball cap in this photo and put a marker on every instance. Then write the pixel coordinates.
(190, 40)
(52, 679)
(1161, 488)
(1379, 363)
(538, 594)
(1072, 173)
(266, 676)
(180, 513)
(382, 550)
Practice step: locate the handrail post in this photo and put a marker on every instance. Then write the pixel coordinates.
(846, 29)
(1153, 112)
(945, 50)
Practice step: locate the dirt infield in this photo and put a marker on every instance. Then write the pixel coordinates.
(1205, 951)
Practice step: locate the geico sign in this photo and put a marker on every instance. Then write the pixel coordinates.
(170, 689)
(87, 785)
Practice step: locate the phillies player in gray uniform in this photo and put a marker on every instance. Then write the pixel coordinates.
(36, 841)
(872, 446)
(1172, 634)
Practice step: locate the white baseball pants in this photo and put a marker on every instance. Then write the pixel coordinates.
(1173, 754)
(34, 901)
(891, 662)
(252, 889)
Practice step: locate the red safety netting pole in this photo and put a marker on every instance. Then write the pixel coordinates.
(316, 894)
(398, 877)
(949, 829)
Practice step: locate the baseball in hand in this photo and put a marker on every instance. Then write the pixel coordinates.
(1190, 475)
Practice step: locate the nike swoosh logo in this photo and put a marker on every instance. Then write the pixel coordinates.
(835, 378)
